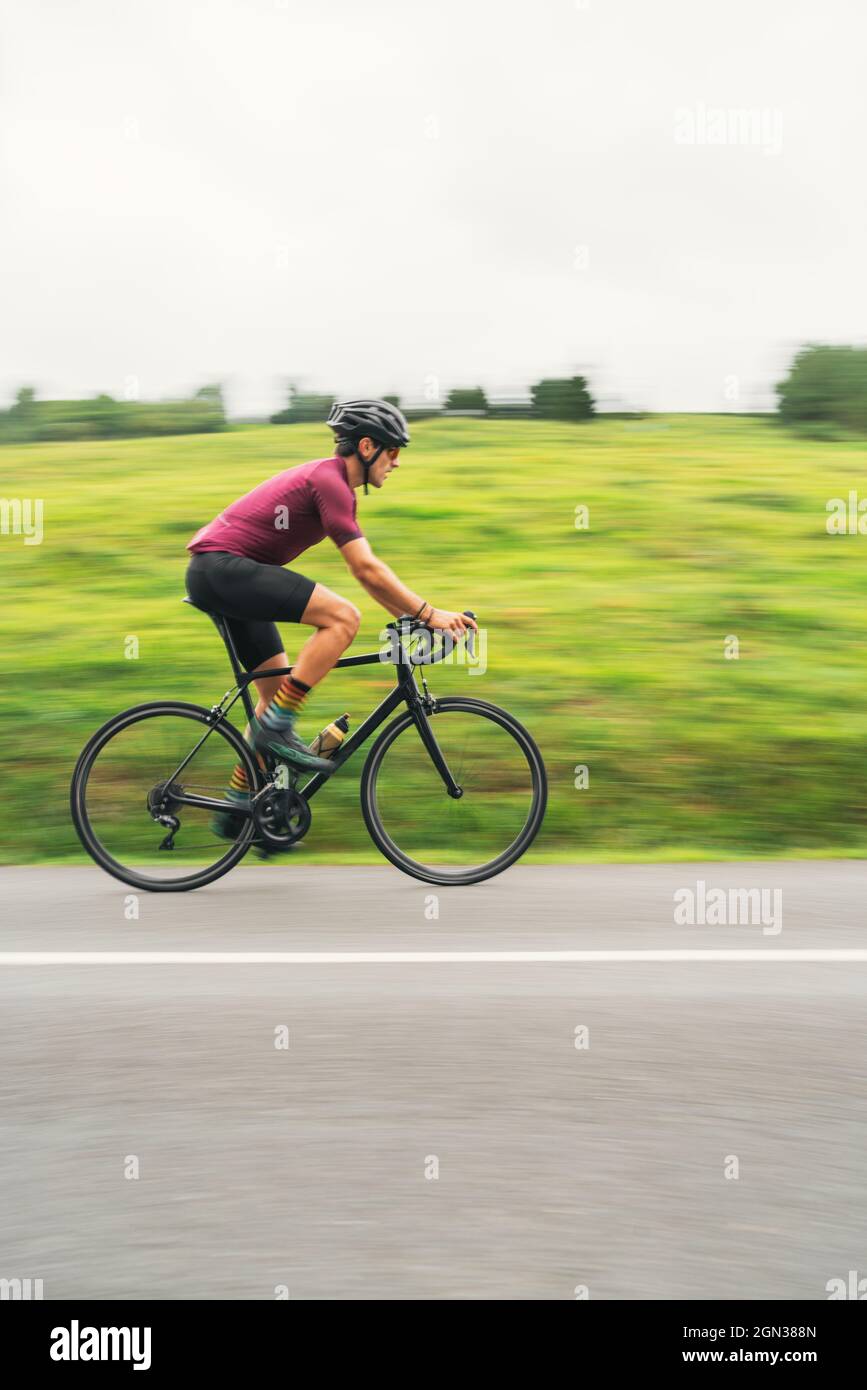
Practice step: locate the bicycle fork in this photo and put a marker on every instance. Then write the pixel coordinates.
(419, 707)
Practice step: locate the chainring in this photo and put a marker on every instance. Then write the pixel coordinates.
(281, 816)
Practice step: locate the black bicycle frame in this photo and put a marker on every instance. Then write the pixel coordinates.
(405, 692)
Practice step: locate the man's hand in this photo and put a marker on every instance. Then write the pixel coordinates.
(455, 623)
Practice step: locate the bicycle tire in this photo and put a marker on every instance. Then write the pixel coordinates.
(477, 873)
(78, 790)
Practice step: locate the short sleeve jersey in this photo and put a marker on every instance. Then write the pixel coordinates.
(286, 515)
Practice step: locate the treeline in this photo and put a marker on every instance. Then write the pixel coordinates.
(824, 392)
(553, 399)
(31, 421)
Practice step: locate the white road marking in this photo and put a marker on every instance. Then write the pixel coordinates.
(770, 955)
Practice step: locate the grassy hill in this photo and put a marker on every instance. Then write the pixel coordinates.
(608, 642)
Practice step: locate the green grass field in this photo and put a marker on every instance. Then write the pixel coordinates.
(609, 643)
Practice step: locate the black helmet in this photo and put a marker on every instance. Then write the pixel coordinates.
(378, 420)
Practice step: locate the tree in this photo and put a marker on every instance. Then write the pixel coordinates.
(210, 409)
(472, 398)
(213, 394)
(106, 416)
(827, 384)
(303, 409)
(562, 399)
(19, 422)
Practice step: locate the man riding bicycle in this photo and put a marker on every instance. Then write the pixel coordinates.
(236, 569)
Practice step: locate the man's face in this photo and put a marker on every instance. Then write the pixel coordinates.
(384, 464)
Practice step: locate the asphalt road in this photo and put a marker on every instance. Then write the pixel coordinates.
(307, 1166)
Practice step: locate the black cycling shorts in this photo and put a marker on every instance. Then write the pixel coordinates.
(251, 596)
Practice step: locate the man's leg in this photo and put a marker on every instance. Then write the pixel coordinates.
(268, 686)
(254, 597)
(336, 621)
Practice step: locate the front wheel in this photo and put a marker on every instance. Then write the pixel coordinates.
(438, 838)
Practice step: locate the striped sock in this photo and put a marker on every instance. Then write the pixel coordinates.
(239, 788)
(283, 709)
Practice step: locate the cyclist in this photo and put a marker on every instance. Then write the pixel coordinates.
(237, 569)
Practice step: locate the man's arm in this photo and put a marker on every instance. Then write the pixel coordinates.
(383, 585)
(379, 581)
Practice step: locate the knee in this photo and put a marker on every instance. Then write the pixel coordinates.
(348, 619)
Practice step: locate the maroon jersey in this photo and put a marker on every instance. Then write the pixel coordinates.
(285, 515)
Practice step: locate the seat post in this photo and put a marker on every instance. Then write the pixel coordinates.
(223, 628)
(220, 623)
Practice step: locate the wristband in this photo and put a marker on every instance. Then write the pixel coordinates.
(420, 611)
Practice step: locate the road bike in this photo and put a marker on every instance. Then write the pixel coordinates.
(453, 790)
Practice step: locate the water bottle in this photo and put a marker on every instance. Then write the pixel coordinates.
(326, 743)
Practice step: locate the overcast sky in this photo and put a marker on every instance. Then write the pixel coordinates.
(387, 196)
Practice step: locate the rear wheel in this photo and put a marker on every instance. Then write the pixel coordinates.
(433, 836)
(133, 771)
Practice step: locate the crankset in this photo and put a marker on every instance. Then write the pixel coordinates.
(281, 816)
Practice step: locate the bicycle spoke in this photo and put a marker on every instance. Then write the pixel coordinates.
(131, 779)
(424, 826)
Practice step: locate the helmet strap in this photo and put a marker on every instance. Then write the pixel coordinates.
(368, 464)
